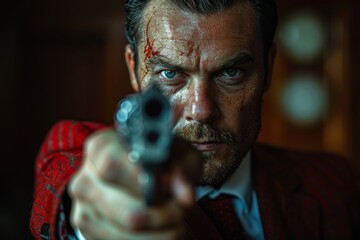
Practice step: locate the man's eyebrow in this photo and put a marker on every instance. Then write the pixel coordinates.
(159, 60)
(240, 59)
(164, 62)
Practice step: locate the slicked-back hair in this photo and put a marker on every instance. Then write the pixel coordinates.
(265, 11)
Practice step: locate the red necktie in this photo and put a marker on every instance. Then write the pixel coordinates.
(222, 213)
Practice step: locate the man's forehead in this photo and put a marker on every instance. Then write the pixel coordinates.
(163, 20)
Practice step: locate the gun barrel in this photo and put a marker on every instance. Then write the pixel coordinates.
(145, 121)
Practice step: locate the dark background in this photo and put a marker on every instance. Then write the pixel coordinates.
(63, 59)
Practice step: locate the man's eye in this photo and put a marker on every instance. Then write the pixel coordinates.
(171, 78)
(233, 72)
(169, 74)
(231, 76)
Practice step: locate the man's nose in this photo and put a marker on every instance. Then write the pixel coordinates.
(202, 103)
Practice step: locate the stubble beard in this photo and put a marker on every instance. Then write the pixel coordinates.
(216, 171)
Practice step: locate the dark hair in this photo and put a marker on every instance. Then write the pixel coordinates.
(264, 9)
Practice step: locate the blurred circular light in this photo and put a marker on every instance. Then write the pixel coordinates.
(122, 116)
(304, 100)
(302, 36)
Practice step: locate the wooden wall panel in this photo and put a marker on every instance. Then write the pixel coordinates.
(338, 68)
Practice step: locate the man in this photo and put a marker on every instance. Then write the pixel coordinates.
(213, 61)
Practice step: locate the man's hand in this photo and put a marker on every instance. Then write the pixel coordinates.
(107, 199)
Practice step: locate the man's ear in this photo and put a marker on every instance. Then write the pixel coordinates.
(130, 62)
(270, 66)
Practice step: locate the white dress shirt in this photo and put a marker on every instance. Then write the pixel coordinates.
(245, 202)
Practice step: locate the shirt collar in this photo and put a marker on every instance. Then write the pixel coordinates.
(239, 184)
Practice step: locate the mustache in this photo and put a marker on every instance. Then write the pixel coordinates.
(203, 132)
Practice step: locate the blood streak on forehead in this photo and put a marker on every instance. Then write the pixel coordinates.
(189, 52)
(152, 49)
(148, 49)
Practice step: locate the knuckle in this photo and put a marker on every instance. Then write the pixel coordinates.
(96, 139)
(108, 167)
(114, 169)
(134, 220)
(104, 155)
(74, 186)
(82, 222)
(81, 217)
(80, 186)
(75, 221)
(90, 143)
(75, 218)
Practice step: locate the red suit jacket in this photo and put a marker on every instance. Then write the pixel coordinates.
(300, 195)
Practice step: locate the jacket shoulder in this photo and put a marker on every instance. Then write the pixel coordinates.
(67, 135)
(323, 184)
(316, 168)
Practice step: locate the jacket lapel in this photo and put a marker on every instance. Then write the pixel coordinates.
(285, 212)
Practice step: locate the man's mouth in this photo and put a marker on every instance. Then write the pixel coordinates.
(206, 146)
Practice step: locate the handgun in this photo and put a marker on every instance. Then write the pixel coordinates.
(144, 120)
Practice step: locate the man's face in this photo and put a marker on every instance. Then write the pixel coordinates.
(211, 67)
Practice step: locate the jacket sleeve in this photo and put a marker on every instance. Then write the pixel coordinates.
(59, 157)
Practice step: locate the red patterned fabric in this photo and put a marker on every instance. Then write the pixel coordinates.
(300, 195)
(58, 159)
